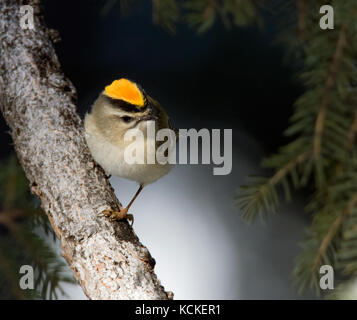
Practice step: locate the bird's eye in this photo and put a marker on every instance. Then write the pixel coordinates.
(127, 119)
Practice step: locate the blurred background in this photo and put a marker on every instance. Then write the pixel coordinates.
(235, 70)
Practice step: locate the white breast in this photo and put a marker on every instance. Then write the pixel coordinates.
(111, 158)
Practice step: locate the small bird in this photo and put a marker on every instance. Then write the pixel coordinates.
(124, 105)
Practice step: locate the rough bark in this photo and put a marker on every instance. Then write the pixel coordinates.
(39, 105)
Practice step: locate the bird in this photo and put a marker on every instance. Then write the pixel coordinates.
(121, 106)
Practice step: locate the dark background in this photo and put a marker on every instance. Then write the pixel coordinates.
(235, 75)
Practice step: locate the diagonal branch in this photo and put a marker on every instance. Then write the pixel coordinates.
(38, 103)
(330, 83)
(282, 172)
(335, 226)
(256, 199)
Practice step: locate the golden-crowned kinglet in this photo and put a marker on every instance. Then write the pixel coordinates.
(124, 105)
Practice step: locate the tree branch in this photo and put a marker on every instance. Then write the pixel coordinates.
(282, 172)
(38, 103)
(335, 226)
(330, 83)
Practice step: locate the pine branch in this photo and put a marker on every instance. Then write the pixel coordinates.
(326, 121)
(330, 82)
(326, 241)
(51, 270)
(288, 167)
(345, 291)
(261, 196)
(165, 13)
(9, 274)
(18, 216)
(201, 14)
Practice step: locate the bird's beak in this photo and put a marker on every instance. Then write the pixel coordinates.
(150, 116)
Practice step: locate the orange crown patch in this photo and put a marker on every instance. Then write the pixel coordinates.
(125, 90)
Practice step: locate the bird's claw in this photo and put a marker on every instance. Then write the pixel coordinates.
(119, 215)
(130, 218)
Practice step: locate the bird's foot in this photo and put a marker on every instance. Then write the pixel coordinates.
(119, 215)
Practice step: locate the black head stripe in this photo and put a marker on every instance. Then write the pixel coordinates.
(126, 106)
